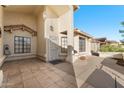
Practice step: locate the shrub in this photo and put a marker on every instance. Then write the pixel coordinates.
(111, 48)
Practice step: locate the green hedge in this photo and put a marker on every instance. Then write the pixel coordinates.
(111, 48)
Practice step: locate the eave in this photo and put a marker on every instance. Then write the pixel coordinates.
(75, 7)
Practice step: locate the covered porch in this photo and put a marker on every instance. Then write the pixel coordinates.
(39, 23)
(40, 19)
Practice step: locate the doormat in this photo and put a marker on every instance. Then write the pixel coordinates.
(54, 62)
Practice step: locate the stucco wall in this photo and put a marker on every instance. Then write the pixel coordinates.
(50, 13)
(76, 43)
(87, 45)
(51, 36)
(76, 47)
(1, 15)
(95, 46)
(10, 42)
(13, 18)
(59, 23)
(45, 20)
(66, 24)
(41, 45)
(2, 57)
(63, 22)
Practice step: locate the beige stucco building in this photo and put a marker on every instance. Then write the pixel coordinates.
(95, 45)
(35, 31)
(82, 44)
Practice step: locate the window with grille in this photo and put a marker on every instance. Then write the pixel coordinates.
(22, 44)
(82, 45)
(64, 44)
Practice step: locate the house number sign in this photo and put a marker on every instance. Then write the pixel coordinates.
(51, 28)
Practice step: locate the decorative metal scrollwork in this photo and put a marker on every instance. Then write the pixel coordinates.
(22, 27)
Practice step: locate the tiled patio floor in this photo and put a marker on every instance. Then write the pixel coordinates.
(33, 73)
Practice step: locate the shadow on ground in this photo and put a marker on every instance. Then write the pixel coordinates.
(112, 63)
(64, 66)
(67, 68)
(100, 79)
(92, 73)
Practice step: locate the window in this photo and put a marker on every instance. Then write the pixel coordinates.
(81, 45)
(64, 44)
(22, 44)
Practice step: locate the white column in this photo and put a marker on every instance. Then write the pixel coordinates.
(41, 40)
(70, 35)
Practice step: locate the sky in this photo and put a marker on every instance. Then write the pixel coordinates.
(100, 21)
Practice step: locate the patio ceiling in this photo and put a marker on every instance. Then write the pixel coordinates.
(56, 9)
(23, 8)
(35, 8)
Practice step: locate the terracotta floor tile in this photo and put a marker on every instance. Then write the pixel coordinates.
(15, 85)
(33, 73)
(27, 75)
(46, 82)
(13, 81)
(54, 86)
(62, 84)
(31, 83)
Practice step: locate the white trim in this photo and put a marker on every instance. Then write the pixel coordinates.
(10, 58)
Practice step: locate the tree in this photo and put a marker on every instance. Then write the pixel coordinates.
(122, 33)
